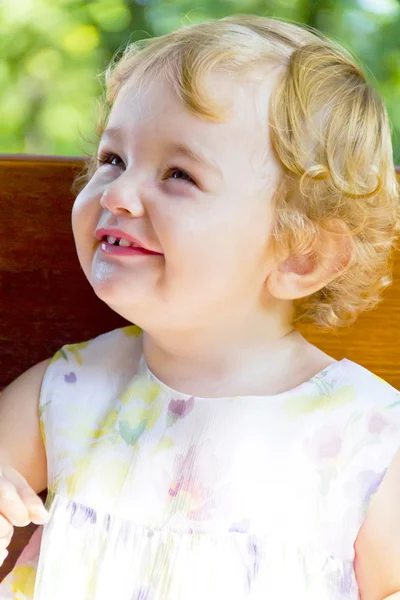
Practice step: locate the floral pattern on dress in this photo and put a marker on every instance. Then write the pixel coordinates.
(159, 495)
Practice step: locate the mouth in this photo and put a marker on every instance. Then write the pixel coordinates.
(122, 246)
(120, 242)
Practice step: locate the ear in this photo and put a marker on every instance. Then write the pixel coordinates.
(302, 275)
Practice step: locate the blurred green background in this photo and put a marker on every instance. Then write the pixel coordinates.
(51, 52)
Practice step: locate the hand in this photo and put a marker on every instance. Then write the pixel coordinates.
(19, 506)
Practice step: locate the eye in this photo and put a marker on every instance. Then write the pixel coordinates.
(176, 173)
(107, 158)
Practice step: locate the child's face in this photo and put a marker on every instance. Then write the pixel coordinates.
(211, 224)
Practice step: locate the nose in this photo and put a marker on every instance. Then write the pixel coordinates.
(122, 197)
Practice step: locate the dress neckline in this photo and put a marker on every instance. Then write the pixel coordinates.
(145, 369)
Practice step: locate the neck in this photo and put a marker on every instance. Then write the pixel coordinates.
(235, 358)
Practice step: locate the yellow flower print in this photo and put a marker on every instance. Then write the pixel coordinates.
(107, 426)
(23, 582)
(42, 410)
(136, 414)
(153, 414)
(87, 427)
(59, 354)
(144, 391)
(296, 406)
(165, 443)
(51, 493)
(132, 331)
(73, 349)
(84, 469)
(110, 473)
(158, 571)
(80, 432)
(113, 476)
(43, 433)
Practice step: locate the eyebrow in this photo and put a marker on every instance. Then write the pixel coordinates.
(196, 155)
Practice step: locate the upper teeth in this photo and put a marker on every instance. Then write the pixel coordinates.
(122, 241)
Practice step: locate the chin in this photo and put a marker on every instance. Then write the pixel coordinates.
(107, 293)
(117, 294)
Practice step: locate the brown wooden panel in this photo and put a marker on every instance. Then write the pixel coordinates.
(45, 300)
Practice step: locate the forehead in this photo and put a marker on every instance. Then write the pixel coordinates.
(153, 111)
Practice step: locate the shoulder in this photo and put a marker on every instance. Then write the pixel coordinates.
(82, 379)
(376, 411)
(349, 393)
(372, 423)
(353, 442)
(367, 394)
(91, 368)
(370, 386)
(117, 347)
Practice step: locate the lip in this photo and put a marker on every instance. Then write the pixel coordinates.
(119, 233)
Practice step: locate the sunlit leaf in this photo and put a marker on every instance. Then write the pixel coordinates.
(81, 40)
(110, 15)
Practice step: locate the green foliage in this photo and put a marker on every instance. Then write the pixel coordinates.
(52, 53)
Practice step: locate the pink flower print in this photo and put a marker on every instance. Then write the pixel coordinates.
(184, 465)
(181, 408)
(379, 423)
(325, 444)
(177, 409)
(330, 447)
(206, 506)
(187, 492)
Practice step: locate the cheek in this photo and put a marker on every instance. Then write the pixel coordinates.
(84, 219)
(85, 212)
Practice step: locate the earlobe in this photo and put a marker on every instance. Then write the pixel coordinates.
(299, 276)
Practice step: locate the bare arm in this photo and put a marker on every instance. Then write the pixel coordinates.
(21, 444)
(377, 547)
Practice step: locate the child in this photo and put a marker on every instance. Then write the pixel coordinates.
(244, 182)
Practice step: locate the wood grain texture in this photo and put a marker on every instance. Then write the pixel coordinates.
(46, 301)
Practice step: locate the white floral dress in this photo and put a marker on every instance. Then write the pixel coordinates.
(156, 495)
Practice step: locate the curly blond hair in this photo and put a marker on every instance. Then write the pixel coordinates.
(329, 128)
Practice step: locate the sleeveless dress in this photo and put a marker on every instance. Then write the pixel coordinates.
(157, 495)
